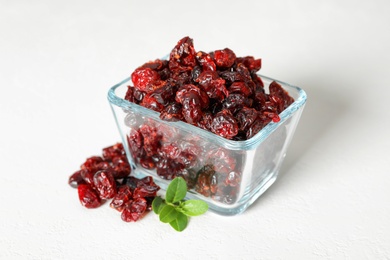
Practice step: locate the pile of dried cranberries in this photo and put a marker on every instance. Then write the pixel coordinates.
(107, 177)
(215, 91)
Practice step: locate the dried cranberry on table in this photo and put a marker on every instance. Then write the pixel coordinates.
(105, 177)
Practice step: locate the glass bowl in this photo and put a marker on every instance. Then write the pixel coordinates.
(229, 175)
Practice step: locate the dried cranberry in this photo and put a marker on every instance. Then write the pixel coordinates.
(279, 96)
(191, 91)
(109, 153)
(189, 175)
(147, 163)
(88, 196)
(251, 63)
(205, 61)
(120, 167)
(105, 184)
(221, 160)
(172, 112)
(241, 88)
(143, 77)
(204, 180)
(134, 210)
(234, 102)
(149, 101)
(151, 139)
(75, 179)
(165, 94)
(87, 176)
(224, 124)
(246, 117)
(212, 84)
(130, 94)
(206, 121)
(92, 164)
(224, 58)
(182, 57)
(123, 196)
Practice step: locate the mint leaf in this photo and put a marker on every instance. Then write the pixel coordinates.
(180, 222)
(174, 210)
(176, 191)
(157, 204)
(194, 207)
(168, 213)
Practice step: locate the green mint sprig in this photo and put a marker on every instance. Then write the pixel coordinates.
(174, 210)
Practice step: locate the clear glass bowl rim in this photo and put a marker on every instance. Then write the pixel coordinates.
(249, 144)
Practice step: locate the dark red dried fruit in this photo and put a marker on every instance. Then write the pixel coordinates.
(120, 167)
(205, 61)
(224, 58)
(105, 184)
(172, 112)
(246, 117)
(151, 139)
(92, 164)
(182, 57)
(149, 101)
(75, 179)
(203, 183)
(213, 85)
(143, 77)
(251, 63)
(224, 124)
(88, 196)
(241, 88)
(123, 196)
(279, 96)
(134, 210)
(109, 153)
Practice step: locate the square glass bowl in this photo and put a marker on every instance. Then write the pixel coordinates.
(228, 175)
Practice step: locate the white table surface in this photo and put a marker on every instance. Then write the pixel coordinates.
(58, 59)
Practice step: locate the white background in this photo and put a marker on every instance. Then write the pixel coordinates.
(58, 59)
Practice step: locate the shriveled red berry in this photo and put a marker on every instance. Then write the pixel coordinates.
(246, 117)
(143, 77)
(105, 184)
(182, 57)
(224, 124)
(75, 179)
(241, 88)
(172, 112)
(109, 153)
(120, 167)
(224, 58)
(205, 61)
(123, 196)
(146, 191)
(151, 139)
(92, 164)
(279, 96)
(134, 210)
(213, 85)
(251, 63)
(149, 101)
(204, 180)
(88, 196)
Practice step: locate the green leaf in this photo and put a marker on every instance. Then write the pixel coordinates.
(157, 204)
(176, 191)
(168, 213)
(194, 207)
(180, 222)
